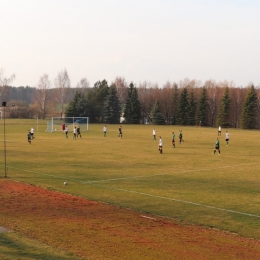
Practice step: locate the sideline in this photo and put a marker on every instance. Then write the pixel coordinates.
(184, 201)
(151, 195)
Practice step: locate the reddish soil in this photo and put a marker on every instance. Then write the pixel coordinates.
(94, 230)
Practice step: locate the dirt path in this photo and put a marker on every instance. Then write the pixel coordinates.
(99, 231)
(3, 230)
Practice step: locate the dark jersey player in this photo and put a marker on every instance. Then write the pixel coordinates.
(217, 146)
(78, 132)
(173, 139)
(180, 136)
(120, 133)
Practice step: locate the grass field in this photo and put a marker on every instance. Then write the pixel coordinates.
(187, 183)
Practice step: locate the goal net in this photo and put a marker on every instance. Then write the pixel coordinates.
(59, 124)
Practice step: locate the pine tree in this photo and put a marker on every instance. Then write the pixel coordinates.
(248, 118)
(202, 110)
(77, 106)
(182, 111)
(223, 114)
(133, 107)
(156, 114)
(192, 109)
(95, 98)
(111, 107)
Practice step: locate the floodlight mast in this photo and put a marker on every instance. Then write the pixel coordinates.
(4, 106)
(3, 84)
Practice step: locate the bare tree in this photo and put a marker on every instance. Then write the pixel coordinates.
(83, 84)
(62, 83)
(41, 97)
(142, 94)
(238, 96)
(213, 100)
(167, 103)
(4, 82)
(122, 89)
(145, 103)
(154, 95)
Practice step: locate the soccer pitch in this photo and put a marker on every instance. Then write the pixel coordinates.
(187, 183)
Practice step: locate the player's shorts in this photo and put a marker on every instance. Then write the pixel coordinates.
(227, 140)
(217, 147)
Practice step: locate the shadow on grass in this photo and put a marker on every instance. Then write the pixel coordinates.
(12, 249)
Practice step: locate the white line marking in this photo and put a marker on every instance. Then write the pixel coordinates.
(148, 217)
(186, 202)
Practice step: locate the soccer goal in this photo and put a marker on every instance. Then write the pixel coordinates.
(59, 123)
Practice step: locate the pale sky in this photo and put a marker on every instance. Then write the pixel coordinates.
(140, 40)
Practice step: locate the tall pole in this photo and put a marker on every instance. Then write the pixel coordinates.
(4, 105)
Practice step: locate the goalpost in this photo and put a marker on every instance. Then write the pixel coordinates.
(57, 123)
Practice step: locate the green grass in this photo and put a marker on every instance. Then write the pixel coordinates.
(187, 183)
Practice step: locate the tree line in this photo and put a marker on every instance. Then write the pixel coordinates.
(188, 102)
(184, 104)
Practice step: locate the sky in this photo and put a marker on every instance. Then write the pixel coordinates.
(156, 41)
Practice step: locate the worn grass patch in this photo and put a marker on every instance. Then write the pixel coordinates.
(94, 230)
